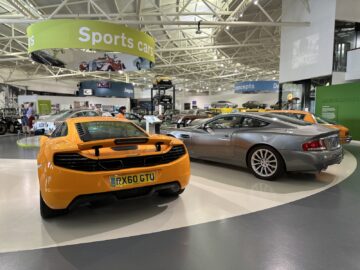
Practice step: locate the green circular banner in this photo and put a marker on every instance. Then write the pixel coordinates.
(90, 35)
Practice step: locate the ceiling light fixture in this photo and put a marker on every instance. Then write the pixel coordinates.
(256, 2)
(227, 27)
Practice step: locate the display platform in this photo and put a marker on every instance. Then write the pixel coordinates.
(216, 192)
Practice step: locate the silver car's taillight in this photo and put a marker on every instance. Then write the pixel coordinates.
(315, 145)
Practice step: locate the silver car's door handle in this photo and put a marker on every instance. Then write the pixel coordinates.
(185, 136)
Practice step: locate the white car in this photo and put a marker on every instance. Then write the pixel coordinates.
(47, 124)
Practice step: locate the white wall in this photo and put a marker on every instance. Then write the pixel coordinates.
(307, 52)
(49, 85)
(348, 10)
(353, 67)
(65, 102)
(338, 78)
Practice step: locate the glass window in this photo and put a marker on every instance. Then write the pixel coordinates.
(102, 130)
(226, 122)
(60, 131)
(298, 116)
(253, 122)
(321, 121)
(78, 114)
(277, 117)
(130, 116)
(90, 113)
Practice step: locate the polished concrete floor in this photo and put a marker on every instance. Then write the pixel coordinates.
(208, 227)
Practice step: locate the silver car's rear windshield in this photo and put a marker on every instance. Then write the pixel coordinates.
(287, 119)
(102, 130)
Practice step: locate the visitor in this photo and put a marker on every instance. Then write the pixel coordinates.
(122, 111)
(30, 114)
(24, 120)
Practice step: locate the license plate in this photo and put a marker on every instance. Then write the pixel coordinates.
(41, 125)
(132, 179)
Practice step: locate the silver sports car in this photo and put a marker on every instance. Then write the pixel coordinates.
(268, 144)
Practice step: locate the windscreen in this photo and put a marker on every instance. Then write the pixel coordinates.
(60, 116)
(322, 121)
(286, 119)
(102, 130)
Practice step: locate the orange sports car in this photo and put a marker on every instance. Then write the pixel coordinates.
(87, 159)
(309, 117)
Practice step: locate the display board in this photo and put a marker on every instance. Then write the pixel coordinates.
(307, 52)
(90, 45)
(340, 103)
(254, 87)
(106, 88)
(44, 107)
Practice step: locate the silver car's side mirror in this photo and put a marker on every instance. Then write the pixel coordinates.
(205, 126)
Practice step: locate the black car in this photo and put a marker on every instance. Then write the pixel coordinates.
(11, 118)
(254, 105)
(3, 126)
(43, 57)
(162, 99)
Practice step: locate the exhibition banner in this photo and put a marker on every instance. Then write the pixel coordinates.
(90, 45)
(106, 89)
(253, 87)
(44, 107)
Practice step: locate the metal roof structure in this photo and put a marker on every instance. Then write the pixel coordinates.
(238, 40)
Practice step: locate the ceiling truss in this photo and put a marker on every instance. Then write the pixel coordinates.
(239, 39)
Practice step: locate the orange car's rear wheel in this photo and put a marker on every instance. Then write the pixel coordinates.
(47, 212)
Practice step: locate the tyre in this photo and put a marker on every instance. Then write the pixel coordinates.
(47, 212)
(12, 128)
(3, 128)
(171, 192)
(265, 163)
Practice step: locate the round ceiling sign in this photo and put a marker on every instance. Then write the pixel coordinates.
(90, 45)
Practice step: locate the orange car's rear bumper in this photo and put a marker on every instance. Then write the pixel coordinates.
(345, 140)
(60, 186)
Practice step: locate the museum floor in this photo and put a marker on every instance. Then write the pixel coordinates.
(226, 219)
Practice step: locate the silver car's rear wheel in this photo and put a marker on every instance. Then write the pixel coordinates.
(265, 163)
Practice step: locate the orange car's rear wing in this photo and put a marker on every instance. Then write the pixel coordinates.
(96, 145)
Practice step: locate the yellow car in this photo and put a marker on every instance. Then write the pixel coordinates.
(90, 158)
(162, 80)
(344, 133)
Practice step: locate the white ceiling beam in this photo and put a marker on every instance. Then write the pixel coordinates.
(213, 47)
(63, 3)
(265, 13)
(203, 23)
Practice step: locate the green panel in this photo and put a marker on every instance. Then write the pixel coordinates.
(341, 104)
(44, 107)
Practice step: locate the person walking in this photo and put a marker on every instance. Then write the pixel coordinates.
(30, 114)
(24, 120)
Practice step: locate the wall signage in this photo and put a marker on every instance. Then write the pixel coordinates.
(106, 89)
(103, 84)
(254, 87)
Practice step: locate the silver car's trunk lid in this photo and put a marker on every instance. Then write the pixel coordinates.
(316, 131)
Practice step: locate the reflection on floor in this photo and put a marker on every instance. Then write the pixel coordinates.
(216, 192)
